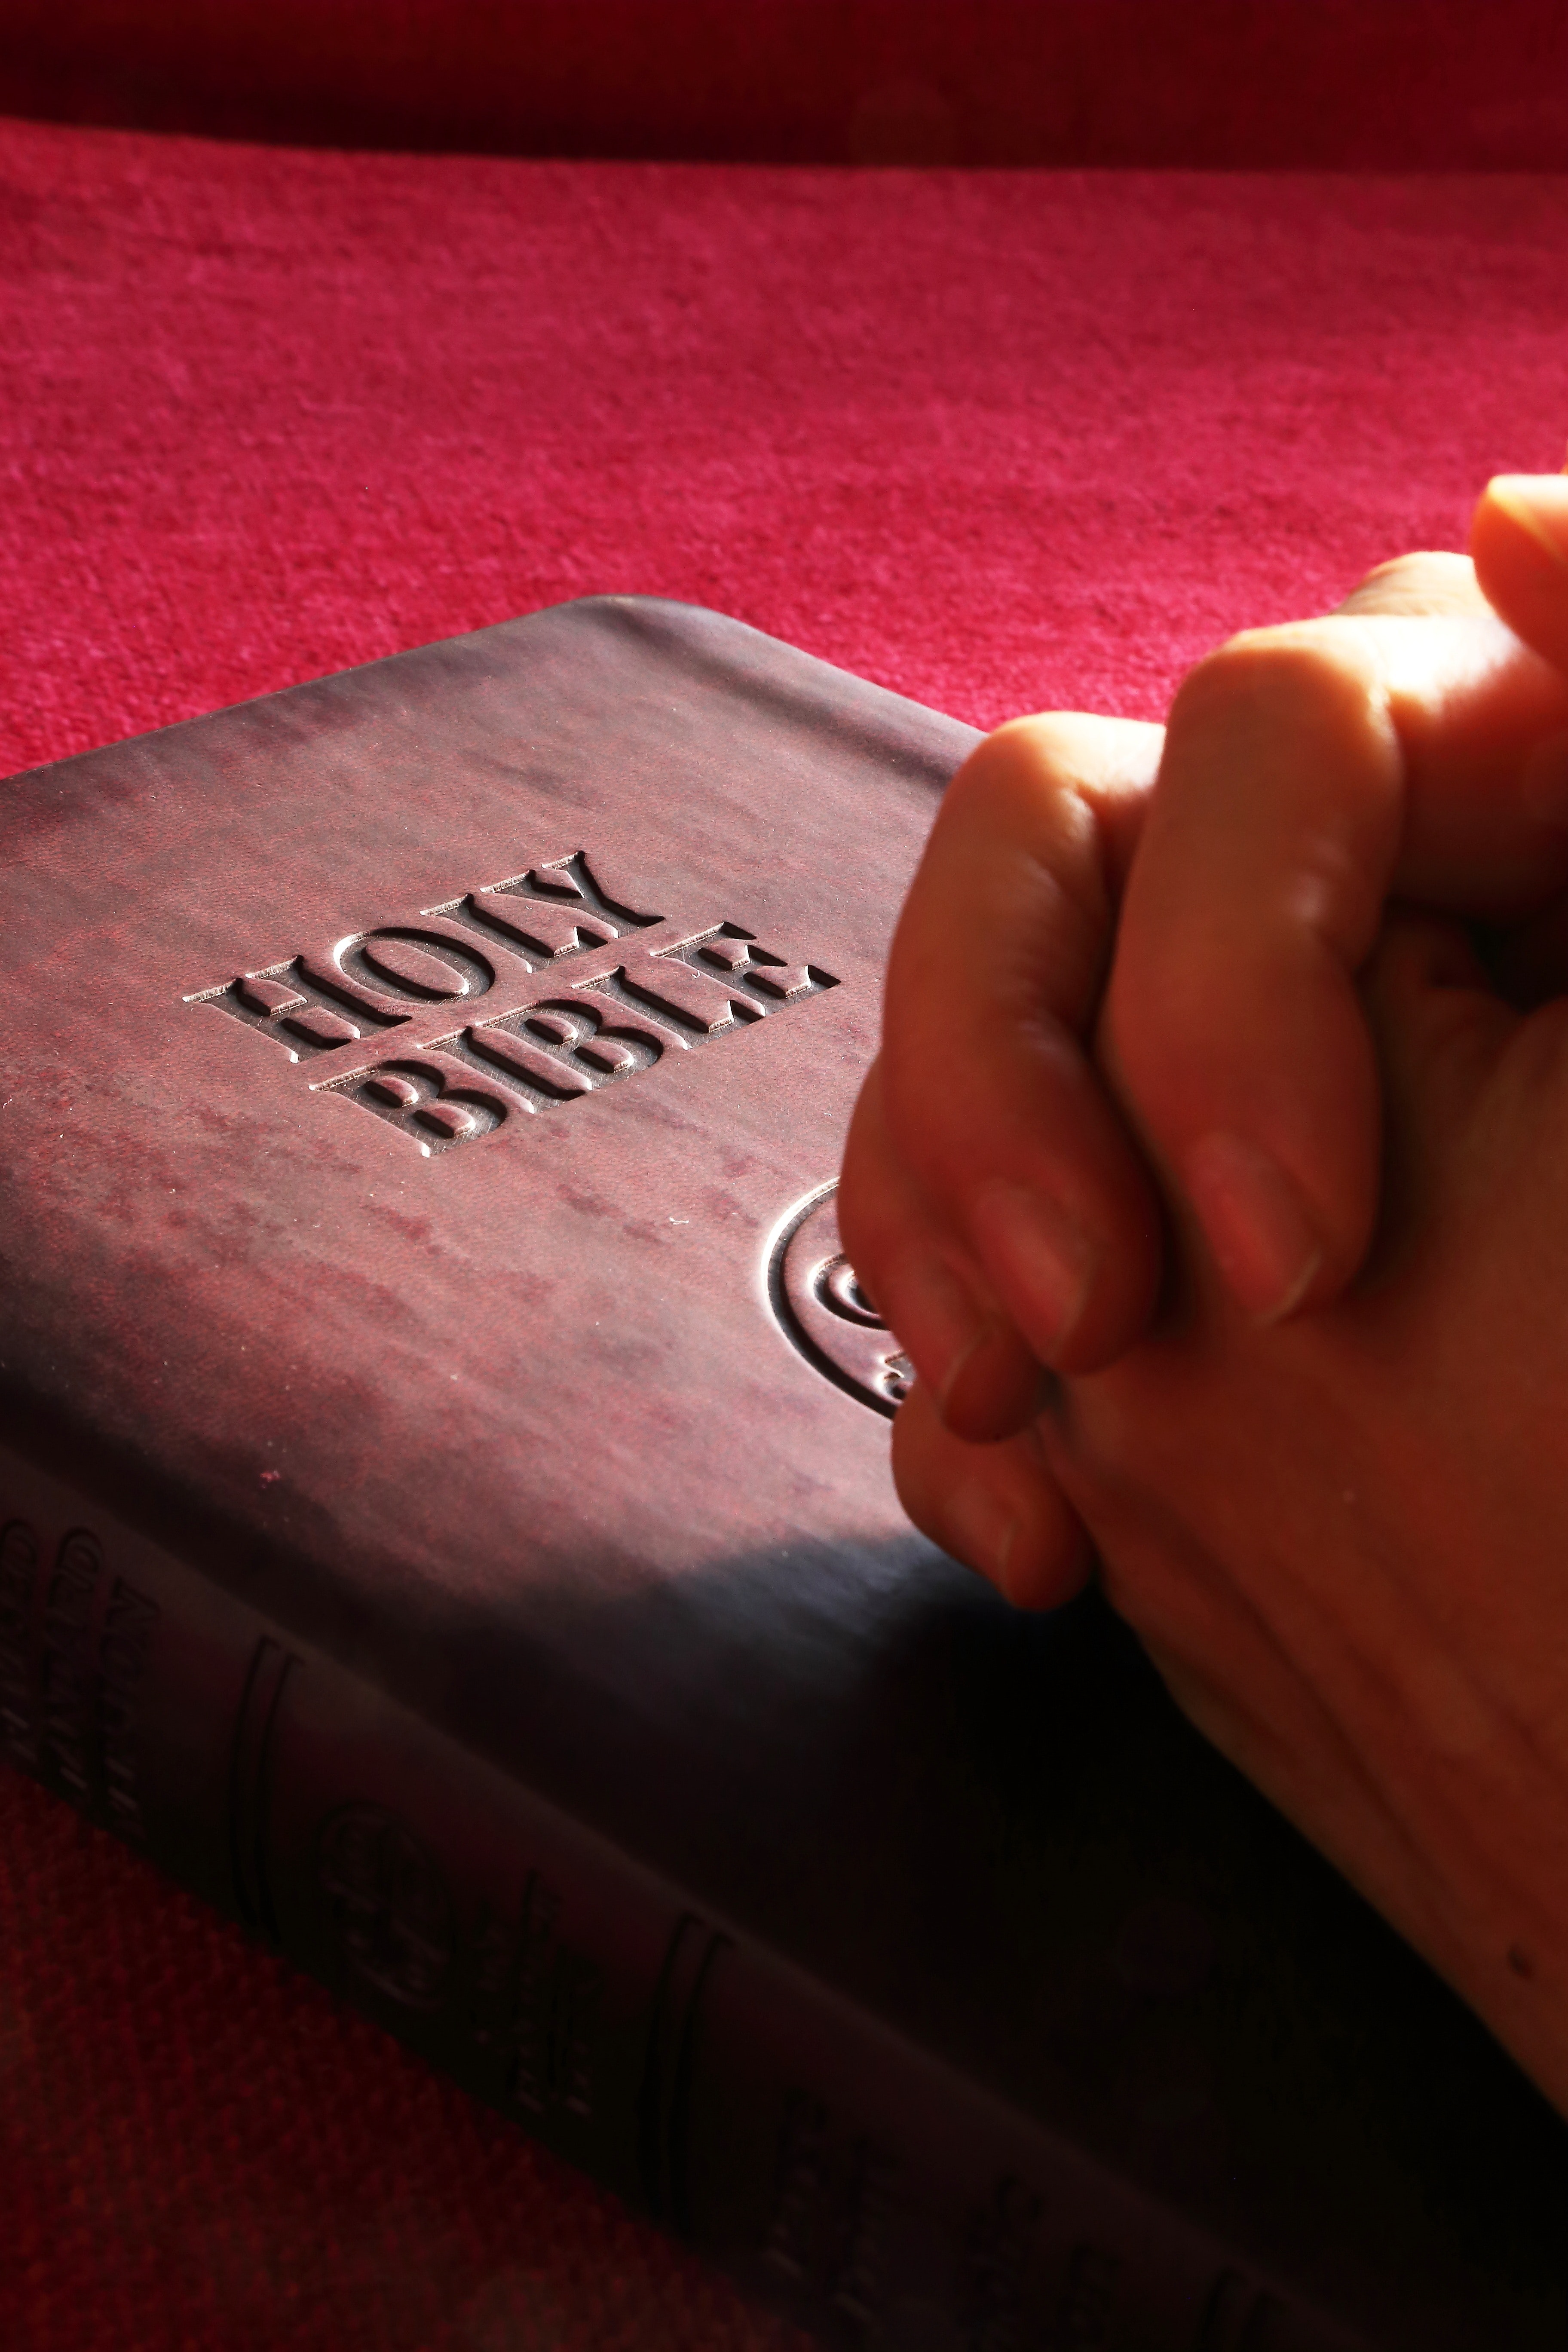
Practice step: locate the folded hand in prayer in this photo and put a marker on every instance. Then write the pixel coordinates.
(1261, 1148)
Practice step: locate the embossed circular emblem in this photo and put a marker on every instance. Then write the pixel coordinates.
(388, 1903)
(823, 1309)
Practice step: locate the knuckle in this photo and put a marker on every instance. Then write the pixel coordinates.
(1051, 752)
(1327, 669)
(1021, 760)
(1426, 580)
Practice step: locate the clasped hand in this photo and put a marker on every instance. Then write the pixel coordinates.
(1232, 1251)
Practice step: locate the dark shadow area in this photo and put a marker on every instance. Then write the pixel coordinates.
(998, 1834)
(1257, 84)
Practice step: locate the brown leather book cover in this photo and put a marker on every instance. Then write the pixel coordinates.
(445, 1518)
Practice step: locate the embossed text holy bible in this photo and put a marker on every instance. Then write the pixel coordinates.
(445, 1520)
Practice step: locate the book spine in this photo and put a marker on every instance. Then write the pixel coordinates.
(837, 2170)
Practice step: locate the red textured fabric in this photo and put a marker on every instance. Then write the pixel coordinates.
(997, 440)
(1439, 84)
(199, 2150)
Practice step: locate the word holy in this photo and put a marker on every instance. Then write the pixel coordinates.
(549, 1050)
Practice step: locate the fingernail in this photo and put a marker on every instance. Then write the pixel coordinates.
(1040, 1259)
(941, 1326)
(980, 1529)
(1253, 1221)
(1538, 503)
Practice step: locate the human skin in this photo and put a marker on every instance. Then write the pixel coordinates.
(1239, 1137)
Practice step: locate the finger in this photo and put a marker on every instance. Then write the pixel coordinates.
(1440, 1028)
(1518, 540)
(1479, 716)
(946, 1315)
(994, 1507)
(1428, 582)
(1431, 1000)
(1026, 1183)
(1232, 1024)
(1308, 772)
(1483, 725)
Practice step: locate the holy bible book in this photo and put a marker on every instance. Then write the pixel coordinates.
(445, 1518)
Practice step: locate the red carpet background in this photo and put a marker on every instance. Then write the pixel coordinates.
(997, 439)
